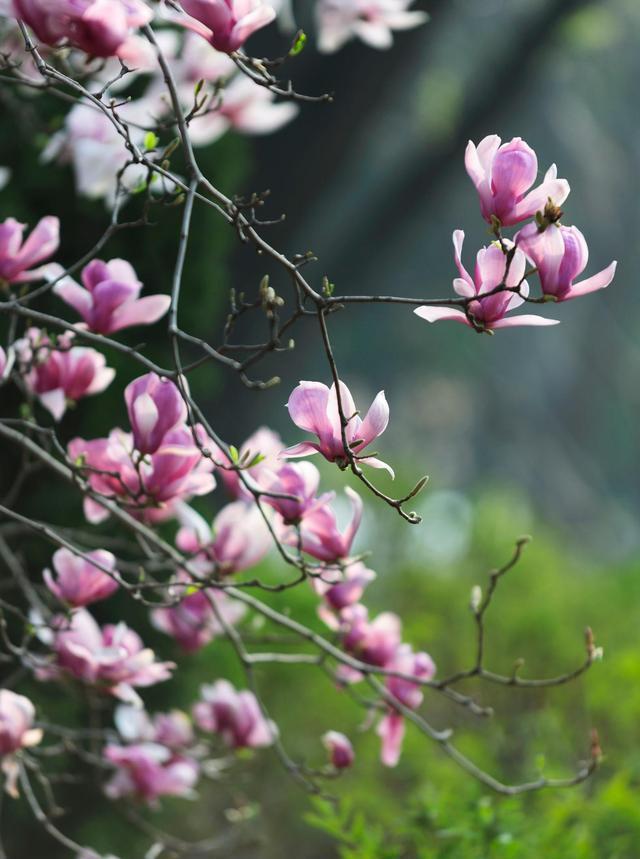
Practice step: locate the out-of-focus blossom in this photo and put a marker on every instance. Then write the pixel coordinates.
(149, 487)
(237, 540)
(373, 21)
(78, 581)
(488, 311)
(503, 175)
(108, 301)
(112, 658)
(375, 642)
(18, 256)
(391, 726)
(235, 716)
(340, 750)
(99, 27)
(298, 479)
(319, 534)
(16, 732)
(226, 24)
(340, 589)
(149, 771)
(92, 145)
(244, 107)
(173, 729)
(560, 254)
(155, 406)
(314, 407)
(263, 443)
(193, 621)
(60, 374)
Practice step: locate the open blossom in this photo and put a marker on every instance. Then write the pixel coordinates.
(375, 642)
(149, 771)
(263, 443)
(61, 374)
(489, 312)
(18, 256)
(319, 534)
(314, 407)
(298, 479)
(503, 175)
(237, 539)
(173, 729)
(149, 487)
(391, 726)
(226, 24)
(99, 27)
(16, 732)
(373, 21)
(560, 254)
(78, 581)
(235, 716)
(108, 300)
(340, 750)
(154, 406)
(194, 621)
(112, 658)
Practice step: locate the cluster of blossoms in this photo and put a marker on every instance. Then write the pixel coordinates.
(503, 174)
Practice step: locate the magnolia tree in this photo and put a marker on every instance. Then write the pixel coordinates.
(146, 85)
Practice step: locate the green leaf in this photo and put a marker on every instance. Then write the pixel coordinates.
(298, 44)
(151, 140)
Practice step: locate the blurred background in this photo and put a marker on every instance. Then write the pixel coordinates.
(531, 431)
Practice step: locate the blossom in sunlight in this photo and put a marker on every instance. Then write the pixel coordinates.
(409, 694)
(99, 27)
(198, 617)
(112, 658)
(560, 254)
(314, 407)
(319, 534)
(235, 716)
(226, 24)
(77, 581)
(504, 173)
(149, 771)
(489, 312)
(373, 21)
(237, 539)
(340, 750)
(154, 406)
(60, 374)
(108, 300)
(18, 255)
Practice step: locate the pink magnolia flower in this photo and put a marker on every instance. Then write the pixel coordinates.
(503, 175)
(489, 312)
(99, 27)
(298, 479)
(314, 407)
(79, 582)
(237, 540)
(149, 487)
(62, 374)
(155, 406)
(243, 107)
(16, 732)
(193, 622)
(391, 726)
(343, 588)
(263, 443)
(340, 750)
(112, 658)
(319, 535)
(16, 719)
(17, 256)
(149, 771)
(373, 21)
(236, 716)
(173, 729)
(226, 24)
(109, 301)
(375, 642)
(560, 254)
